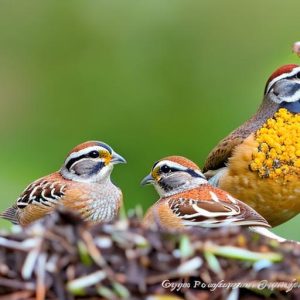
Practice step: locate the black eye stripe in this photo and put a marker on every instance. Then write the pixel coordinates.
(168, 169)
(189, 171)
(72, 161)
(195, 174)
(165, 169)
(93, 154)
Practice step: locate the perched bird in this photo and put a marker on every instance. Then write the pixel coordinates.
(260, 161)
(188, 200)
(83, 184)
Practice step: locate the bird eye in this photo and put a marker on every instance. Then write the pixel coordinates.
(94, 154)
(165, 169)
(298, 75)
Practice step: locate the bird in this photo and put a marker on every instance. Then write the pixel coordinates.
(187, 201)
(82, 184)
(259, 162)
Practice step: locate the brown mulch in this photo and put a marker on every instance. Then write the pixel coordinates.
(62, 257)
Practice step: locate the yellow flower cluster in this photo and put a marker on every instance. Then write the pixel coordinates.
(278, 153)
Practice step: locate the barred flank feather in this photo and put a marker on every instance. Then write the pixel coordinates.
(10, 214)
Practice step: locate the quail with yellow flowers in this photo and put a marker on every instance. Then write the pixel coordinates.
(259, 162)
(83, 185)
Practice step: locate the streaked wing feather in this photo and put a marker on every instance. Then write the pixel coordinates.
(218, 157)
(42, 192)
(201, 211)
(215, 212)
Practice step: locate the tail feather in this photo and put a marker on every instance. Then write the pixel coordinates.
(10, 214)
(266, 232)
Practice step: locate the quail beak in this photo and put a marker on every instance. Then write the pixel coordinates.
(147, 180)
(117, 159)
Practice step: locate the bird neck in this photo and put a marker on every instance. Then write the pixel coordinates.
(266, 111)
(100, 178)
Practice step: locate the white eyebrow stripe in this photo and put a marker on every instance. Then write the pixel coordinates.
(284, 75)
(170, 164)
(178, 166)
(83, 152)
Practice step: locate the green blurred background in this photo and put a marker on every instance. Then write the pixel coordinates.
(150, 78)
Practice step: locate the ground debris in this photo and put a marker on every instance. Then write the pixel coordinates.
(62, 257)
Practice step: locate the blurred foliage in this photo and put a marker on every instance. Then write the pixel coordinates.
(151, 78)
